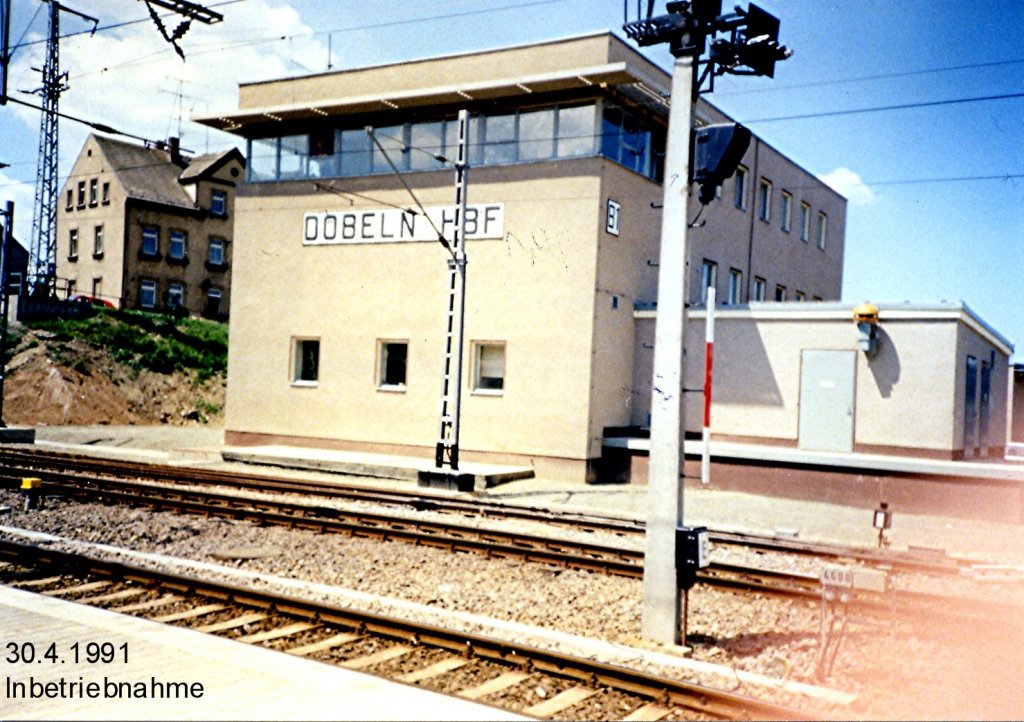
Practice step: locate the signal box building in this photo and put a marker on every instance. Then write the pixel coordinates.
(148, 228)
(339, 313)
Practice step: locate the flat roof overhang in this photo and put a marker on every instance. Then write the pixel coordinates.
(599, 77)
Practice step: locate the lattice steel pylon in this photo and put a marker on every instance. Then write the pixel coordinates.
(43, 253)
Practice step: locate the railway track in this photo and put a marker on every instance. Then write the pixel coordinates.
(59, 466)
(414, 653)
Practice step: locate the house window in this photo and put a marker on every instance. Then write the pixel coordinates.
(306, 369)
(822, 229)
(97, 287)
(213, 297)
(106, 193)
(800, 296)
(93, 191)
(150, 241)
(764, 200)
(69, 203)
(735, 287)
(81, 194)
(175, 295)
(780, 293)
(708, 279)
(97, 242)
(760, 289)
(805, 222)
(147, 294)
(393, 356)
(73, 244)
(740, 188)
(218, 203)
(216, 257)
(71, 288)
(176, 249)
(488, 366)
(786, 211)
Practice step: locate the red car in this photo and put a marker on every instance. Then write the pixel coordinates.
(80, 298)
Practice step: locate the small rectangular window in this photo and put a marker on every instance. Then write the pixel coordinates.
(150, 241)
(73, 244)
(97, 287)
(735, 287)
(740, 188)
(81, 194)
(805, 222)
(306, 369)
(213, 297)
(764, 200)
(708, 279)
(106, 193)
(488, 366)
(175, 295)
(69, 204)
(786, 212)
(780, 293)
(393, 356)
(822, 229)
(97, 242)
(218, 203)
(216, 257)
(147, 294)
(94, 191)
(177, 247)
(760, 289)
(800, 296)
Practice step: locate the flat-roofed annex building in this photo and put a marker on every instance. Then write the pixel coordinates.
(339, 310)
(148, 228)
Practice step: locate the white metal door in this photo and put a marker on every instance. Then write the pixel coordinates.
(827, 386)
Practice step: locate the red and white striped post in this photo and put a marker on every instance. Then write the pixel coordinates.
(709, 355)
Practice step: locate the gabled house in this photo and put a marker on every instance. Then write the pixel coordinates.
(146, 227)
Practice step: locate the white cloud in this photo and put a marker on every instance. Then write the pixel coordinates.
(130, 78)
(849, 183)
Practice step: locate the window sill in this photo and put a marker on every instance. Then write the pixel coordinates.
(98, 255)
(305, 384)
(488, 392)
(392, 389)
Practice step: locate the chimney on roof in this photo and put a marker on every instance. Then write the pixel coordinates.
(174, 146)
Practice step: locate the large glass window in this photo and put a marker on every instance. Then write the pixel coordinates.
(262, 163)
(576, 131)
(392, 139)
(537, 135)
(426, 141)
(294, 156)
(355, 152)
(499, 139)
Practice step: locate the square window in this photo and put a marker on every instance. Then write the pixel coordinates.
(393, 357)
(488, 366)
(147, 294)
(306, 369)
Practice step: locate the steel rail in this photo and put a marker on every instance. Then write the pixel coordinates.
(707, 700)
(924, 561)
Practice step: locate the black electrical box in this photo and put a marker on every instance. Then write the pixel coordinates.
(691, 553)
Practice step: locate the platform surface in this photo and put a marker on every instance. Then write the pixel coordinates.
(239, 681)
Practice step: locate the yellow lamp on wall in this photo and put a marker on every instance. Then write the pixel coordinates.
(865, 315)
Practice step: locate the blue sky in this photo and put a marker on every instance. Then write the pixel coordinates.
(936, 192)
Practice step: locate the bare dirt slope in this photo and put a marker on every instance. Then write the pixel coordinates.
(75, 383)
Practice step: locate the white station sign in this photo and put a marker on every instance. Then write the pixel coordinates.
(394, 225)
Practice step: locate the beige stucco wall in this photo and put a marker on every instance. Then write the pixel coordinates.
(109, 268)
(532, 289)
(908, 395)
